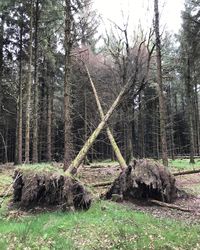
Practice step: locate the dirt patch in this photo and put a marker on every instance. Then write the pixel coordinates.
(163, 212)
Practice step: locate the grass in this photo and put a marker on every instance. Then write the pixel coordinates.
(184, 164)
(40, 167)
(5, 182)
(105, 226)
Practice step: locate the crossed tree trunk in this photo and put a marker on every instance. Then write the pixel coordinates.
(72, 169)
(115, 147)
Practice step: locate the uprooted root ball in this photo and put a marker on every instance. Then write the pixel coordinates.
(144, 179)
(33, 188)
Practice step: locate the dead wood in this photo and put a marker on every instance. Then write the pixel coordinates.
(194, 171)
(144, 179)
(172, 206)
(113, 143)
(101, 184)
(83, 152)
(40, 188)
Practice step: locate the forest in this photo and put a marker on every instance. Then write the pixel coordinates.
(102, 117)
(48, 109)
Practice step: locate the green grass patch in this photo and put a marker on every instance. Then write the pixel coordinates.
(184, 164)
(5, 182)
(40, 167)
(105, 226)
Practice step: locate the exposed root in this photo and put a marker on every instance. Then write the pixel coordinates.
(144, 179)
(49, 189)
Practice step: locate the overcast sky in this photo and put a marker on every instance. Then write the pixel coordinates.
(141, 11)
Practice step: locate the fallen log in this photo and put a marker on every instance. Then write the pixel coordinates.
(172, 206)
(101, 184)
(194, 171)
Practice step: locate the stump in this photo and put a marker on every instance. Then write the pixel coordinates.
(144, 179)
(48, 188)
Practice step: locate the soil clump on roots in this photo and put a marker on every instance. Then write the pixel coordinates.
(143, 180)
(48, 188)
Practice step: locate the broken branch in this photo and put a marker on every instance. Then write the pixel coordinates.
(172, 206)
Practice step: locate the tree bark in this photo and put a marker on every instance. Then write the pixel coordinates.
(28, 90)
(49, 121)
(190, 111)
(20, 108)
(162, 108)
(197, 118)
(1, 60)
(67, 87)
(35, 108)
(172, 206)
(108, 131)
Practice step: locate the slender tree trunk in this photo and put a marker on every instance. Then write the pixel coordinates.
(67, 87)
(190, 111)
(28, 90)
(82, 153)
(108, 131)
(20, 109)
(160, 88)
(5, 147)
(141, 145)
(49, 121)
(1, 61)
(197, 118)
(129, 135)
(35, 108)
(1, 67)
(171, 123)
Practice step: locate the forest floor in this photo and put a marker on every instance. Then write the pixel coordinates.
(106, 225)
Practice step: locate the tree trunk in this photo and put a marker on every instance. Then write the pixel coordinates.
(49, 121)
(81, 155)
(197, 119)
(1, 59)
(190, 111)
(141, 143)
(108, 131)
(28, 90)
(67, 87)
(20, 111)
(35, 109)
(171, 123)
(5, 147)
(162, 107)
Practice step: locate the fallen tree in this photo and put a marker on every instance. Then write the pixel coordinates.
(126, 88)
(45, 187)
(172, 206)
(113, 143)
(194, 171)
(144, 179)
